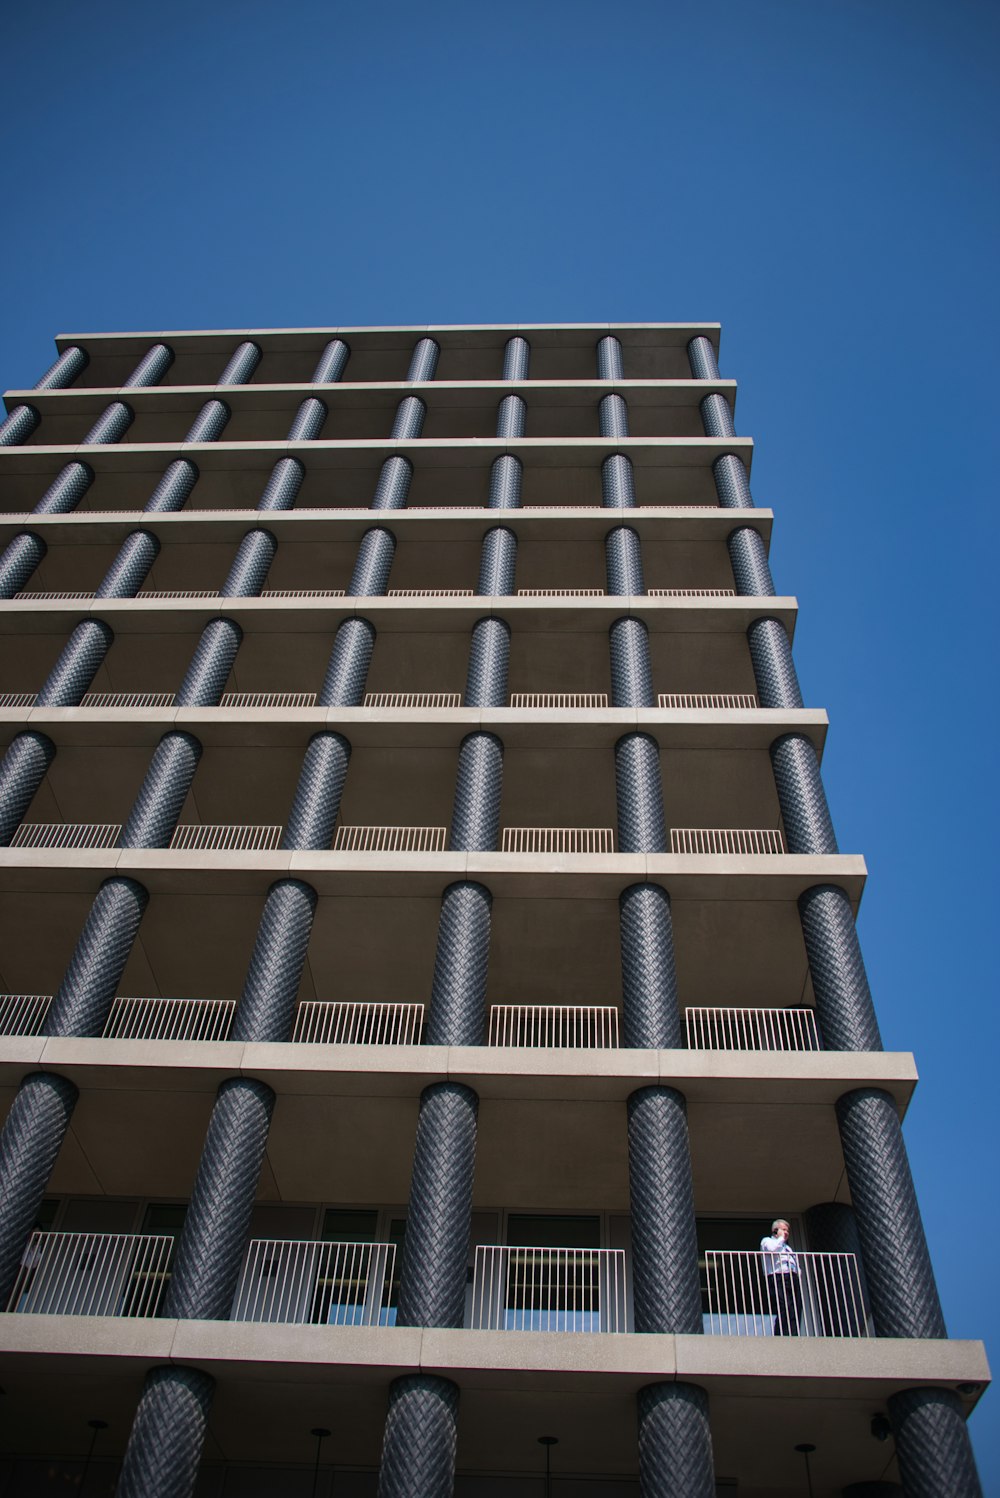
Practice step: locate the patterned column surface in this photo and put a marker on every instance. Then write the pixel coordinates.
(650, 1011)
(164, 1448)
(932, 1445)
(213, 1238)
(439, 1215)
(32, 1137)
(665, 1285)
(844, 1004)
(901, 1284)
(421, 1438)
(675, 1442)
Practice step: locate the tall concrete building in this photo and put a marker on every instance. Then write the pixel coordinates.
(429, 965)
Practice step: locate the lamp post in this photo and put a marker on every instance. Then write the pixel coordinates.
(807, 1448)
(321, 1433)
(548, 1442)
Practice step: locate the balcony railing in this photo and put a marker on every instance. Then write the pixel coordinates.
(66, 835)
(268, 699)
(752, 1030)
(413, 699)
(549, 1289)
(706, 699)
(431, 593)
(557, 840)
(170, 1019)
(325, 1023)
(579, 1027)
(559, 699)
(332, 1284)
(91, 1274)
(23, 1013)
(560, 592)
(823, 1299)
(203, 836)
(214, 837)
(690, 592)
(390, 839)
(732, 840)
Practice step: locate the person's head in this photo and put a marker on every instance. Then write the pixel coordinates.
(780, 1228)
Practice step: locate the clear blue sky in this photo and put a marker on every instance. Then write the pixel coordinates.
(821, 178)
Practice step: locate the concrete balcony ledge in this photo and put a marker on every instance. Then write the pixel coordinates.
(406, 615)
(695, 877)
(454, 452)
(451, 523)
(546, 1361)
(799, 1078)
(350, 395)
(584, 728)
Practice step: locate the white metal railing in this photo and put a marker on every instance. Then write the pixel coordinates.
(91, 1274)
(823, 1299)
(430, 593)
(557, 840)
(726, 840)
(390, 840)
(212, 837)
(328, 1023)
(268, 699)
(560, 592)
(23, 1013)
(153, 593)
(690, 592)
(18, 699)
(29, 597)
(170, 1019)
(66, 835)
(128, 699)
(577, 1027)
(413, 699)
(549, 1289)
(336, 1284)
(706, 699)
(752, 1030)
(303, 593)
(559, 699)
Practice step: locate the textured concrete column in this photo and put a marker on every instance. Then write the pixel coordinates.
(773, 667)
(843, 998)
(623, 562)
(489, 662)
(168, 1433)
(650, 1009)
(421, 1438)
(77, 665)
(32, 1137)
(609, 359)
(18, 426)
(18, 561)
(22, 771)
(157, 808)
(282, 488)
(317, 797)
(506, 474)
(665, 1285)
(904, 1297)
(70, 363)
(675, 1442)
(932, 1445)
(475, 819)
(631, 673)
(498, 564)
(205, 678)
(40, 1114)
(439, 1214)
(833, 1229)
(804, 809)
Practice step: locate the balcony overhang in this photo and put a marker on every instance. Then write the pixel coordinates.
(274, 1382)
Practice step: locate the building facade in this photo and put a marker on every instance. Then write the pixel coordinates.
(428, 962)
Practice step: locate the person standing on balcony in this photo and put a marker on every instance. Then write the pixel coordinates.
(781, 1272)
